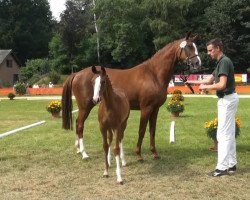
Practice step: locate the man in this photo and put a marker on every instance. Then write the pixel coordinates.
(223, 76)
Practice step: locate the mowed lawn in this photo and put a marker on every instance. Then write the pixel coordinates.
(41, 162)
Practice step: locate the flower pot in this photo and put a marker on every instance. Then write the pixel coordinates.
(56, 114)
(175, 114)
(215, 147)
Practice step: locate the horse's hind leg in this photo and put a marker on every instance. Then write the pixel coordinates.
(82, 116)
(152, 128)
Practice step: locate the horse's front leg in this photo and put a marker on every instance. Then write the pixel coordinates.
(106, 149)
(124, 163)
(82, 116)
(117, 155)
(145, 113)
(152, 129)
(110, 138)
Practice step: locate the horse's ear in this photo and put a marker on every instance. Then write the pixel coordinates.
(188, 35)
(103, 70)
(94, 69)
(195, 37)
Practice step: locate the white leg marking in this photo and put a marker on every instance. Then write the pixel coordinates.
(118, 169)
(124, 163)
(109, 156)
(105, 173)
(77, 146)
(82, 149)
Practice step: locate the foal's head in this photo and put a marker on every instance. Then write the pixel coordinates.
(189, 53)
(99, 83)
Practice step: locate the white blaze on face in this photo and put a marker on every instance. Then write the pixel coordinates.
(97, 88)
(196, 53)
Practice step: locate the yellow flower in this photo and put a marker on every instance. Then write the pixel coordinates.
(54, 106)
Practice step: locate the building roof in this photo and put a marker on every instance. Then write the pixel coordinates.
(5, 52)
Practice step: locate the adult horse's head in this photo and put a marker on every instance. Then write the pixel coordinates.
(189, 53)
(98, 83)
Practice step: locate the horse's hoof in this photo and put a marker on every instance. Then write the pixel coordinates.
(120, 182)
(105, 176)
(156, 157)
(140, 159)
(85, 157)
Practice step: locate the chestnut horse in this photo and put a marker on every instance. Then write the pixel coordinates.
(145, 86)
(112, 115)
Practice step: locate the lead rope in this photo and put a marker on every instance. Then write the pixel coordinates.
(184, 79)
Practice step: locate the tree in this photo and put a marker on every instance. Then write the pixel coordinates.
(58, 55)
(25, 27)
(230, 20)
(76, 23)
(125, 38)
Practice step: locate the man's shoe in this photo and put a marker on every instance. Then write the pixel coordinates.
(232, 170)
(218, 172)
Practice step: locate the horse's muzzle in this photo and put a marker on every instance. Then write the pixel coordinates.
(96, 101)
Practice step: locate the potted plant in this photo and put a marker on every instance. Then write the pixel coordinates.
(211, 130)
(175, 107)
(20, 88)
(178, 97)
(176, 91)
(11, 96)
(54, 107)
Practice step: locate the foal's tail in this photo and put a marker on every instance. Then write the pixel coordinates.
(67, 103)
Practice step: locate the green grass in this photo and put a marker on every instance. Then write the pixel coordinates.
(41, 162)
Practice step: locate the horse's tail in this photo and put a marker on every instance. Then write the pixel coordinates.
(67, 105)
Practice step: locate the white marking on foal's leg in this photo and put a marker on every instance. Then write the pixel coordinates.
(118, 169)
(124, 163)
(77, 146)
(82, 149)
(109, 156)
(105, 173)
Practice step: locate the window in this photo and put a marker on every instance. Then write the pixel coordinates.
(9, 63)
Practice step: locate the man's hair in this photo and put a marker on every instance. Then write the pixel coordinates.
(216, 43)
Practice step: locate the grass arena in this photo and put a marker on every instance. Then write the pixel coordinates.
(41, 162)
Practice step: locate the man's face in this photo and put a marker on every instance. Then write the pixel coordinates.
(213, 51)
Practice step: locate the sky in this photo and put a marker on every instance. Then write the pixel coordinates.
(56, 7)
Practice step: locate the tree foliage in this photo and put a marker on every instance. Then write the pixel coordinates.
(25, 27)
(130, 31)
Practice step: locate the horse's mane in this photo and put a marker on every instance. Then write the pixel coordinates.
(160, 52)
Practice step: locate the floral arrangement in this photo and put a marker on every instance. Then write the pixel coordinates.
(175, 106)
(178, 97)
(211, 127)
(11, 95)
(54, 107)
(176, 91)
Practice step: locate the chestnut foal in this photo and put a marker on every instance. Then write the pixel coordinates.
(112, 115)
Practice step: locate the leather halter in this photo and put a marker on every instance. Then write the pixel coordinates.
(188, 63)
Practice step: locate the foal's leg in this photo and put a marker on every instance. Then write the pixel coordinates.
(105, 148)
(117, 156)
(82, 116)
(152, 128)
(124, 163)
(145, 113)
(110, 138)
